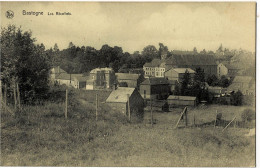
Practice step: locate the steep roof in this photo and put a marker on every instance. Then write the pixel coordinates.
(233, 66)
(57, 69)
(155, 81)
(191, 60)
(120, 94)
(173, 97)
(66, 76)
(100, 69)
(80, 78)
(127, 76)
(155, 63)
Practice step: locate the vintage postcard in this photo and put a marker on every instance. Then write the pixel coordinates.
(137, 84)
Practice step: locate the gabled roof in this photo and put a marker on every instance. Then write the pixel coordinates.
(100, 69)
(127, 76)
(80, 78)
(233, 66)
(181, 60)
(155, 63)
(57, 69)
(120, 94)
(182, 70)
(155, 81)
(66, 76)
(173, 97)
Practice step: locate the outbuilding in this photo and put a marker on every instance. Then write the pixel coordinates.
(118, 101)
(182, 100)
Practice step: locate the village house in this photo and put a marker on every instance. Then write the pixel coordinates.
(118, 101)
(61, 77)
(177, 74)
(100, 78)
(54, 72)
(246, 84)
(132, 80)
(182, 100)
(155, 88)
(222, 70)
(156, 68)
(205, 62)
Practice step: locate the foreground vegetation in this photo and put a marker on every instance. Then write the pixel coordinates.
(41, 136)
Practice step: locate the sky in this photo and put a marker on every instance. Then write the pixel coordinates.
(134, 25)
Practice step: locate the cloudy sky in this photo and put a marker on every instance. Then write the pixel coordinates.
(133, 26)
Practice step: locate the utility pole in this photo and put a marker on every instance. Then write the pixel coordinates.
(129, 110)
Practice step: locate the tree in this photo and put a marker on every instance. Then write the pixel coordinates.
(236, 98)
(149, 53)
(213, 80)
(24, 63)
(177, 89)
(185, 83)
(224, 82)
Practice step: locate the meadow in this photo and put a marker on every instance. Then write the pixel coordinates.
(41, 136)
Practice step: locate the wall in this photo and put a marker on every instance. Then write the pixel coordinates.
(222, 70)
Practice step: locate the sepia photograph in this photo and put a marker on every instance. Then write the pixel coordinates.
(128, 84)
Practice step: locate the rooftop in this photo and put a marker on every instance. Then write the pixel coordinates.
(191, 60)
(173, 97)
(120, 95)
(155, 81)
(127, 76)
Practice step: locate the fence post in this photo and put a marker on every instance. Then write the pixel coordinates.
(5, 98)
(96, 107)
(194, 118)
(215, 119)
(15, 100)
(129, 110)
(18, 96)
(151, 110)
(66, 105)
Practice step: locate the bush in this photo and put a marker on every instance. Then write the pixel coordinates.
(248, 115)
(236, 98)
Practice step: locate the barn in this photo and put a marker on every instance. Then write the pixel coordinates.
(118, 101)
(182, 100)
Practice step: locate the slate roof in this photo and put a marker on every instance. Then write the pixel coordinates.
(154, 63)
(127, 76)
(120, 95)
(191, 60)
(155, 81)
(100, 69)
(81, 78)
(66, 76)
(56, 70)
(233, 66)
(172, 97)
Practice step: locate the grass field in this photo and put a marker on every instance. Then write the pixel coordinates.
(41, 136)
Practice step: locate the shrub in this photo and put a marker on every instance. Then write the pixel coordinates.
(236, 98)
(248, 115)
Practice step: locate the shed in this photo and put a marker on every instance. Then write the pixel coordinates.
(118, 101)
(182, 100)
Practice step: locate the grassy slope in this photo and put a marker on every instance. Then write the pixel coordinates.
(42, 137)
